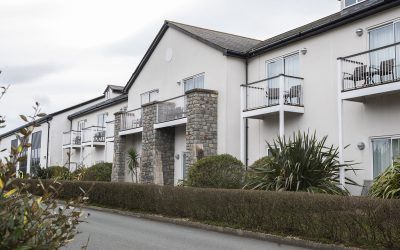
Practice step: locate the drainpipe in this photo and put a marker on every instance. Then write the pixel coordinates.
(48, 143)
(246, 123)
(69, 148)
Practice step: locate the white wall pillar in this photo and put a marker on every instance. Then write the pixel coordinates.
(281, 106)
(340, 123)
(242, 125)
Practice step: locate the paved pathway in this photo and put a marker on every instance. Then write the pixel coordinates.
(113, 231)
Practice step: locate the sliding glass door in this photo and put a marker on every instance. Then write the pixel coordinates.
(385, 151)
(287, 65)
(384, 61)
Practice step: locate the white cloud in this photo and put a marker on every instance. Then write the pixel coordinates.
(62, 52)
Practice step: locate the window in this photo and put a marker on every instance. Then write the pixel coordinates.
(385, 151)
(81, 125)
(348, 3)
(22, 165)
(101, 120)
(194, 82)
(287, 65)
(35, 149)
(149, 96)
(382, 36)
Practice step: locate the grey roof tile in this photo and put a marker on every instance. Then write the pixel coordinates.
(223, 40)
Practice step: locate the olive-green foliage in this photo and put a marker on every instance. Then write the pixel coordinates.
(387, 185)
(98, 172)
(300, 163)
(220, 171)
(53, 172)
(27, 221)
(357, 221)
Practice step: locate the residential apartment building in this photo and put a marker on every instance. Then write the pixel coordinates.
(51, 139)
(337, 76)
(183, 100)
(90, 139)
(200, 92)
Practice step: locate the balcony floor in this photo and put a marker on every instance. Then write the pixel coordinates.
(262, 112)
(172, 123)
(71, 146)
(358, 95)
(131, 131)
(95, 144)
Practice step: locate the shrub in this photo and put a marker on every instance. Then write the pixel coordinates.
(387, 185)
(53, 172)
(356, 221)
(301, 163)
(220, 171)
(98, 172)
(27, 221)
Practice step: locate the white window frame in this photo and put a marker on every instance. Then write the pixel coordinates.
(357, 2)
(81, 127)
(194, 77)
(282, 58)
(381, 25)
(371, 151)
(105, 115)
(148, 95)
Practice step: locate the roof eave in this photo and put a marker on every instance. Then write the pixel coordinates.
(117, 100)
(323, 28)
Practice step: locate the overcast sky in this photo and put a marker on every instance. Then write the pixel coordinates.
(62, 52)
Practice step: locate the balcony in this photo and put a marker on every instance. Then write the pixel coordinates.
(131, 122)
(93, 136)
(171, 112)
(272, 95)
(72, 139)
(110, 126)
(370, 73)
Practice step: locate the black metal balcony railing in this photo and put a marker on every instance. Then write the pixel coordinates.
(131, 119)
(171, 109)
(266, 92)
(371, 68)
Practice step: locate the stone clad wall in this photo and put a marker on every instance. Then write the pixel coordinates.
(118, 168)
(148, 155)
(157, 160)
(158, 145)
(165, 147)
(201, 127)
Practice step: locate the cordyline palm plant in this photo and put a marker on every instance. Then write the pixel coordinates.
(133, 163)
(387, 185)
(301, 163)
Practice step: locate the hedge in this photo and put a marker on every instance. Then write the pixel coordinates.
(354, 221)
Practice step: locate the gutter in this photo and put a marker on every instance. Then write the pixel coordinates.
(349, 18)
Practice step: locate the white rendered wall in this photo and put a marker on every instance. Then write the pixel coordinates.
(180, 147)
(191, 57)
(375, 117)
(96, 154)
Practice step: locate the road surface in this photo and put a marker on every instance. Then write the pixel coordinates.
(112, 231)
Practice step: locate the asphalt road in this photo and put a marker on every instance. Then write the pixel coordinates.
(113, 231)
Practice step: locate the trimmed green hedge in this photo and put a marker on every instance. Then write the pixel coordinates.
(353, 221)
